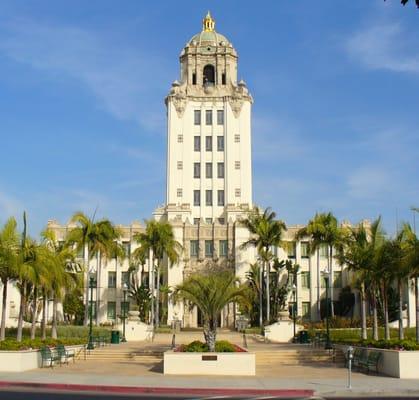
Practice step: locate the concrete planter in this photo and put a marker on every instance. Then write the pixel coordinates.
(397, 363)
(23, 360)
(184, 363)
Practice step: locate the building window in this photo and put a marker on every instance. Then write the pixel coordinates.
(220, 197)
(223, 78)
(194, 78)
(93, 305)
(197, 117)
(208, 170)
(220, 117)
(111, 312)
(93, 275)
(208, 197)
(305, 309)
(180, 165)
(196, 198)
(223, 249)
(324, 250)
(196, 221)
(221, 221)
(111, 279)
(220, 143)
(305, 280)
(180, 138)
(337, 279)
(237, 164)
(291, 249)
(194, 248)
(304, 250)
(208, 221)
(237, 192)
(197, 170)
(209, 248)
(179, 193)
(292, 309)
(124, 308)
(197, 143)
(208, 117)
(236, 138)
(220, 170)
(208, 143)
(127, 249)
(125, 279)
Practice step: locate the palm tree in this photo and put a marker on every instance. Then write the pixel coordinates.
(266, 233)
(9, 249)
(211, 290)
(156, 243)
(93, 238)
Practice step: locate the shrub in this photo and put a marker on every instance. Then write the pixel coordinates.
(27, 344)
(196, 347)
(223, 346)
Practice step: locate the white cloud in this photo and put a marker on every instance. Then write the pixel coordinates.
(119, 76)
(385, 46)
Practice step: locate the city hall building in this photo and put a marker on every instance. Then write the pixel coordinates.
(208, 190)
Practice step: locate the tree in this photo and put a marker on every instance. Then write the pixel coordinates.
(156, 243)
(9, 250)
(265, 233)
(404, 2)
(140, 293)
(211, 290)
(93, 238)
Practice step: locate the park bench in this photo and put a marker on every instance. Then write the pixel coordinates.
(371, 362)
(49, 357)
(65, 354)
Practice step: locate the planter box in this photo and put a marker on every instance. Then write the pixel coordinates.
(185, 363)
(22, 360)
(397, 363)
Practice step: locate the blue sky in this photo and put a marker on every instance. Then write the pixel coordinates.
(335, 118)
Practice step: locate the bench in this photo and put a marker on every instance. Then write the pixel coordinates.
(49, 357)
(371, 362)
(65, 354)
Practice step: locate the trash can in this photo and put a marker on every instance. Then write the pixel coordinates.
(303, 337)
(115, 337)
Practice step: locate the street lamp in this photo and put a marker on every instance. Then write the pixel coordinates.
(90, 345)
(326, 274)
(294, 308)
(124, 312)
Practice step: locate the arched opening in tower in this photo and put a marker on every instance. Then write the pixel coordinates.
(209, 75)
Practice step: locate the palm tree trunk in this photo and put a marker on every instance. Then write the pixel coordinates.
(98, 285)
(318, 286)
(386, 322)
(261, 296)
(268, 297)
(86, 266)
(332, 307)
(54, 318)
(33, 324)
(374, 316)
(3, 311)
(22, 307)
(158, 295)
(363, 313)
(44, 316)
(417, 307)
(151, 285)
(210, 334)
(401, 330)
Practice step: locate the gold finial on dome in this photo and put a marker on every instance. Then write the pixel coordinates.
(208, 23)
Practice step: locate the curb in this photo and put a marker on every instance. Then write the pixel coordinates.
(289, 393)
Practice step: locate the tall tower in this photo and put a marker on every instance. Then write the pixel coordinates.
(209, 175)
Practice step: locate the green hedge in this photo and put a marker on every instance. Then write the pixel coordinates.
(63, 331)
(221, 346)
(27, 344)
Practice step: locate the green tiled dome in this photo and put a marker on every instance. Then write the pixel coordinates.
(209, 37)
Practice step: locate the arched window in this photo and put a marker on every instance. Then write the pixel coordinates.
(209, 75)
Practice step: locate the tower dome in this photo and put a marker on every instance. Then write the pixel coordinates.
(208, 36)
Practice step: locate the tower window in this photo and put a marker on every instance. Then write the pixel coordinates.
(237, 164)
(180, 138)
(220, 143)
(208, 170)
(223, 78)
(220, 197)
(197, 117)
(180, 165)
(208, 197)
(209, 248)
(208, 117)
(220, 117)
(220, 170)
(179, 193)
(197, 143)
(209, 75)
(237, 192)
(223, 248)
(196, 198)
(208, 143)
(197, 170)
(194, 78)
(237, 138)
(194, 250)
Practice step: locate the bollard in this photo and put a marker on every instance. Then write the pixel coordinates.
(244, 340)
(174, 341)
(350, 357)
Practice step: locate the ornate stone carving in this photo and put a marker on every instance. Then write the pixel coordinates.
(180, 101)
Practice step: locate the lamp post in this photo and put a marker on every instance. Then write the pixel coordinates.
(91, 286)
(294, 307)
(326, 274)
(124, 312)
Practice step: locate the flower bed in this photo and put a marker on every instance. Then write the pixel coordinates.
(222, 346)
